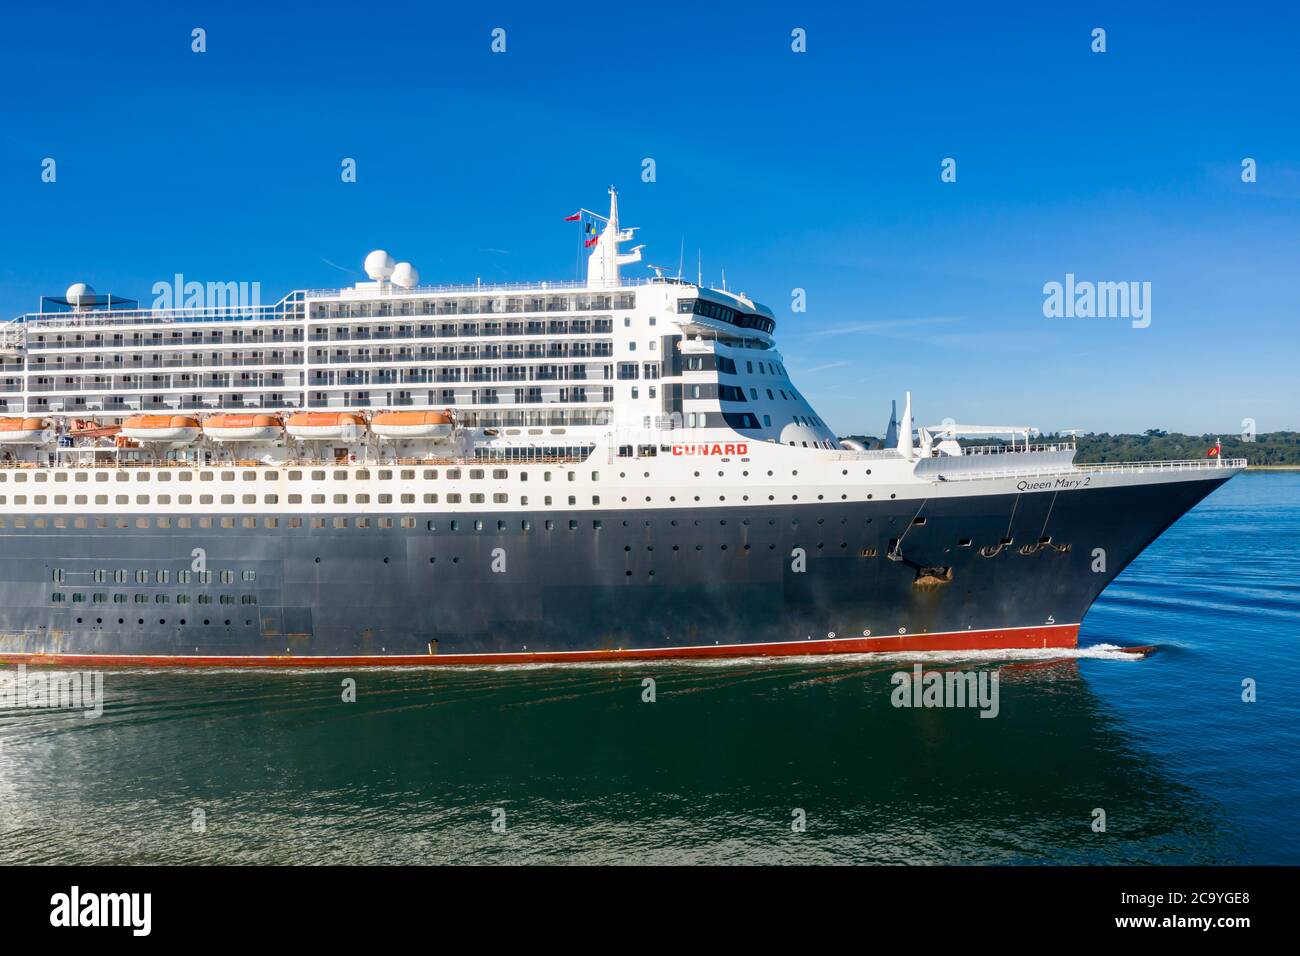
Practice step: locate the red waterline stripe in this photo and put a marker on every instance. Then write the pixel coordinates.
(1020, 638)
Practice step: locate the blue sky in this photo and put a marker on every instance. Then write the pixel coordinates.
(818, 171)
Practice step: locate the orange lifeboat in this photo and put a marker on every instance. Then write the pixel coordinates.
(343, 426)
(436, 426)
(177, 429)
(243, 427)
(25, 431)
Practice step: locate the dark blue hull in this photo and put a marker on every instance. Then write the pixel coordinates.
(558, 582)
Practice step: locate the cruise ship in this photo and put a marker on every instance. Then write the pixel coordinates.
(615, 468)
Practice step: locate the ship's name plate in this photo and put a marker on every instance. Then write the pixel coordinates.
(741, 448)
(1054, 484)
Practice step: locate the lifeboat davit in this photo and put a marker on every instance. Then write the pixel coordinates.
(175, 429)
(89, 428)
(436, 426)
(25, 431)
(243, 427)
(343, 426)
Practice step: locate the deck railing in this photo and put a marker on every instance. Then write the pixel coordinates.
(1078, 468)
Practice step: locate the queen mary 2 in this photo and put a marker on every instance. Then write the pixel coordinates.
(397, 473)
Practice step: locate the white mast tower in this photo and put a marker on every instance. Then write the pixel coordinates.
(602, 267)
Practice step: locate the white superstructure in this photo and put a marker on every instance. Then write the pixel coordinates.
(678, 387)
(536, 362)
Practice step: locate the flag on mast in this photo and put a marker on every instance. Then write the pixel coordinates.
(574, 218)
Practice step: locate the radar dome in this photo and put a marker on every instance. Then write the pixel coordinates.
(80, 293)
(406, 275)
(379, 264)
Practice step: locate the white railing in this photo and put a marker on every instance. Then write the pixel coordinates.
(1122, 467)
(1015, 449)
(42, 321)
(541, 288)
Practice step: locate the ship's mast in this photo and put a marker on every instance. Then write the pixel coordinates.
(602, 267)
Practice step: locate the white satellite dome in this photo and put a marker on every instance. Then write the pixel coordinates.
(80, 293)
(406, 275)
(379, 264)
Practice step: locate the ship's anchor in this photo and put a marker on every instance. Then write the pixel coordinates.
(926, 577)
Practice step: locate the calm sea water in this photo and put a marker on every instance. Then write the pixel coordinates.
(585, 771)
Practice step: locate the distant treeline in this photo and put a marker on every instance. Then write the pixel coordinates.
(1268, 448)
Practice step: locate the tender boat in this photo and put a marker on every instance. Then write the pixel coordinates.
(243, 427)
(342, 426)
(25, 431)
(427, 425)
(174, 429)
